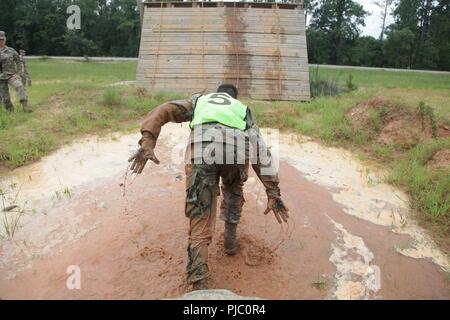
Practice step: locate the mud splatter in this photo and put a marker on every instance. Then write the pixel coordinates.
(256, 253)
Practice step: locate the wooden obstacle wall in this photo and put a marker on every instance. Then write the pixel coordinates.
(189, 47)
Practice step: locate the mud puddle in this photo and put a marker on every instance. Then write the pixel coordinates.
(350, 236)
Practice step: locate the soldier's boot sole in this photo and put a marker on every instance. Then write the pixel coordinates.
(230, 242)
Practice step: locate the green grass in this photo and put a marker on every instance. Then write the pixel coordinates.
(429, 188)
(70, 99)
(407, 87)
(75, 98)
(389, 79)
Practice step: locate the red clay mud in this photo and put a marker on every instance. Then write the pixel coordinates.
(134, 247)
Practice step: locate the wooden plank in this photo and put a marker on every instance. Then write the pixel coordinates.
(222, 37)
(204, 20)
(243, 84)
(149, 42)
(263, 51)
(244, 66)
(266, 91)
(213, 69)
(250, 12)
(263, 28)
(179, 60)
(297, 67)
(148, 46)
(229, 14)
(304, 96)
(254, 75)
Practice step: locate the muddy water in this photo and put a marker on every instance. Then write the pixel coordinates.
(350, 236)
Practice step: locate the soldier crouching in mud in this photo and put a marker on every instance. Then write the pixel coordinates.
(218, 122)
(11, 73)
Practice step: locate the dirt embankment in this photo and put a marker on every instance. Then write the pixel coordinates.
(391, 123)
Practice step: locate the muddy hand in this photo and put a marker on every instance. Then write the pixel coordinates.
(279, 209)
(140, 159)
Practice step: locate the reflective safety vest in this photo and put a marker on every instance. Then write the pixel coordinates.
(219, 108)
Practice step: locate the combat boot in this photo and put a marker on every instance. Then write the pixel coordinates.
(24, 104)
(200, 285)
(230, 243)
(8, 105)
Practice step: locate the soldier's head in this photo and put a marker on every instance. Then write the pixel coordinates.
(228, 88)
(22, 52)
(2, 39)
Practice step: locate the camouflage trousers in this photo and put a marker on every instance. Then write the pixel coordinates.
(16, 82)
(202, 189)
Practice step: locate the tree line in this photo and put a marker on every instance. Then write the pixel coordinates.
(108, 27)
(419, 38)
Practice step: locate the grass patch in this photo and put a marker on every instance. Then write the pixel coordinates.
(429, 189)
(112, 98)
(71, 99)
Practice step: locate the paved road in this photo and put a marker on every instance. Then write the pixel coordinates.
(106, 59)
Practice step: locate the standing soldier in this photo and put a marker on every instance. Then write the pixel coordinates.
(11, 68)
(26, 77)
(218, 121)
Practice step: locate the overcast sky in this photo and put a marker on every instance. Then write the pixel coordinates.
(373, 21)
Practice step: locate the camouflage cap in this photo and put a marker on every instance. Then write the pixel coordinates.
(2, 35)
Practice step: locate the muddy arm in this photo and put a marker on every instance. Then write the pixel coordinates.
(174, 111)
(263, 169)
(270, 182)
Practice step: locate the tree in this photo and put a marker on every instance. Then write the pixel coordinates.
(340, 21)
(429, 21)
(140, 6)
(384, 5)
(318, 46)
(366, 51)
(77, 44)
(108, 27)
(405, 14)
(399, 48)
(309, 6)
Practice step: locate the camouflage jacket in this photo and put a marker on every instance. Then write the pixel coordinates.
(10, 63)
(24, 71)
(181, 111)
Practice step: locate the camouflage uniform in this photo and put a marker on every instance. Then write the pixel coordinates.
(202, 183)
(25, 74)
(11, 67)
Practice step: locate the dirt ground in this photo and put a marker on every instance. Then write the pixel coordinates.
(349, 236)
(395, 124)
